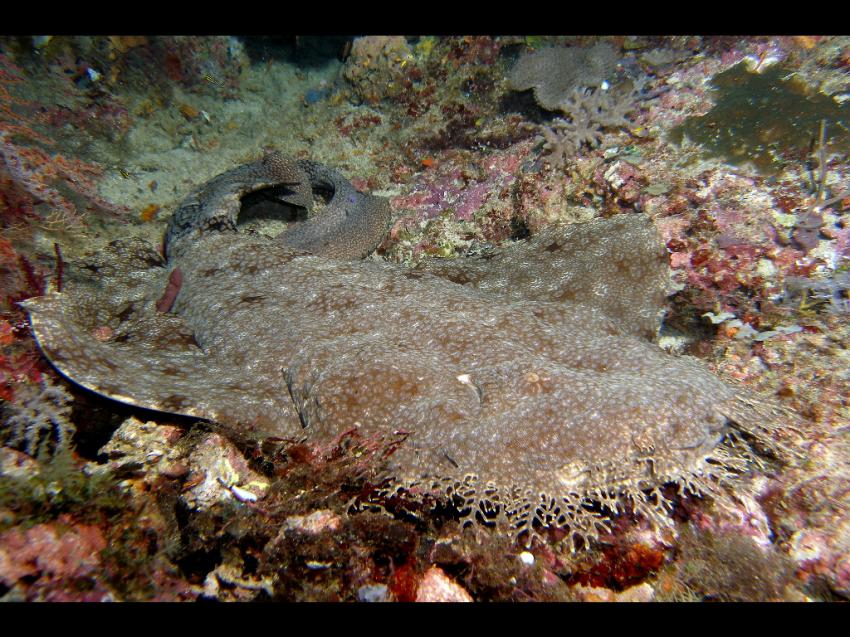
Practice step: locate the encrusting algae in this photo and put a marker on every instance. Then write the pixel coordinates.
(524, 383)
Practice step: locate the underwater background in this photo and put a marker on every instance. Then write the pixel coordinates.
(735, 148)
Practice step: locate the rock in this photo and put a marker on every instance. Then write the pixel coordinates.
(222, 475)
(807, 547)
(376, 67)
(145, 448)
(313, 524)
(840, 576)
(373, 593)
(640, 593)
(51, 551)
(436, 586)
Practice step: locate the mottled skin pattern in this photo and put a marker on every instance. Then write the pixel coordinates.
(530, 370)
(350, 227)
(620, 271)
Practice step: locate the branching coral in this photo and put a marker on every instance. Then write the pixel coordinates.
(588, 112)
(573, 81)
(39, 419)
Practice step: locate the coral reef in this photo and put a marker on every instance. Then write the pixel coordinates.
(726, 567)
(575, 82)
(733, 147)
(32, 171)
(435, 586)
(832, 293)
(20, 362)
(68, 536)
(62, 560)
(146, 448)
(29, 174)
(455, 195)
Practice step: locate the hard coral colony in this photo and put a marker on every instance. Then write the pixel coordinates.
(461, 366)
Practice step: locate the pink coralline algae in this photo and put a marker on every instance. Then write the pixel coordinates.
(52, 556)
(809, 506)
(742, 515)
(451, 189)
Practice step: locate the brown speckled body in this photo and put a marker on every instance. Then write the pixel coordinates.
(530, 370)
(350, 227)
